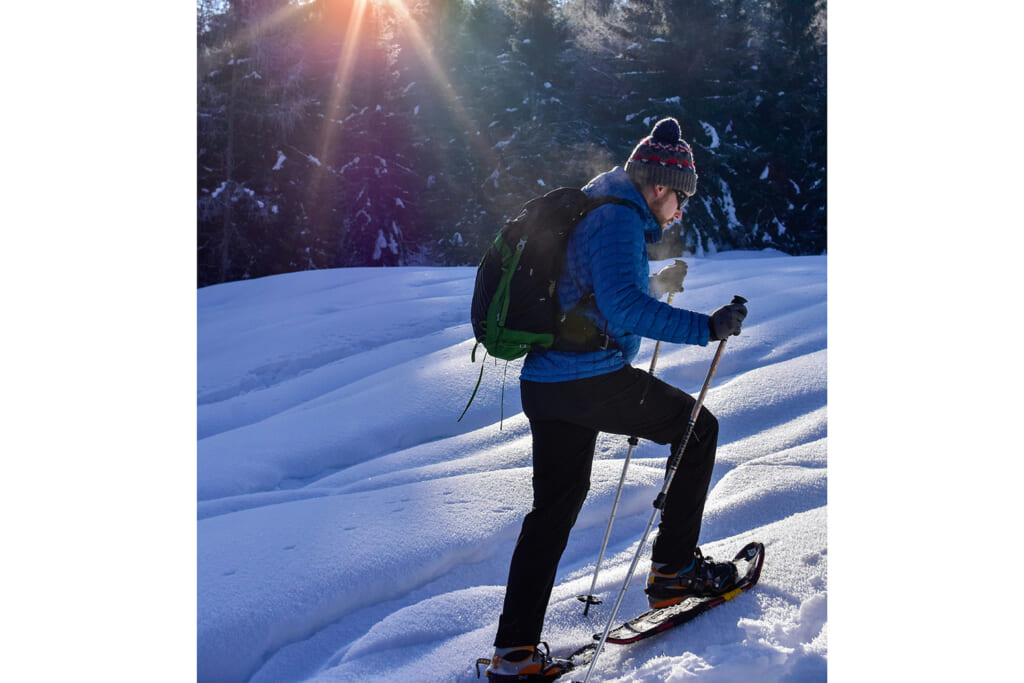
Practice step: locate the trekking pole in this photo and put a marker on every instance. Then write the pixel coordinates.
(659, 502)
(589, 598)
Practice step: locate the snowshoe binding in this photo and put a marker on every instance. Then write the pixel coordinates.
(523, 664)
(703, 578)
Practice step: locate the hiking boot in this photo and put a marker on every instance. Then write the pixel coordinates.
(667, 586)
(525, 663)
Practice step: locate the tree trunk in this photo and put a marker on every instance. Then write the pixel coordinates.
(229, 168)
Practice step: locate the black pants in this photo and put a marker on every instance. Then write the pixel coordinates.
(565, 418)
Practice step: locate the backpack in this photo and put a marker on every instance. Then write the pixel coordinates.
(515, 307)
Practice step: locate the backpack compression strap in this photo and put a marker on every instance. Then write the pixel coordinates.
(513, 343)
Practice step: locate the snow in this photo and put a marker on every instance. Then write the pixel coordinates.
(383, 242)
(728, 205)
(710, 131)
(355, 160)
(350, 529)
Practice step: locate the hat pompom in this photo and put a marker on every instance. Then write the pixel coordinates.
(667, 132)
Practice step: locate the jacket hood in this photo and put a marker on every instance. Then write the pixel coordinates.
(615, 183)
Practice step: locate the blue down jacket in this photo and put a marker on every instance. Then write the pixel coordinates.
(607, 255)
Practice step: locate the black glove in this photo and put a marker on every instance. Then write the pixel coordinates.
(669, 279)
(727, 321)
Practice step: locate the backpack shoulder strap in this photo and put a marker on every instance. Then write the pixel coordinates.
(576, 332)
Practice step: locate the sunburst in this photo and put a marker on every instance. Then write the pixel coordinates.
(355, 34)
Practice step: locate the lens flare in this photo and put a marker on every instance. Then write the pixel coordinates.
(437, 74)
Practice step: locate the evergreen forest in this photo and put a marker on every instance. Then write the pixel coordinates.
(338, 133)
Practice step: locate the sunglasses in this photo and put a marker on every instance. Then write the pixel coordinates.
(682, 198)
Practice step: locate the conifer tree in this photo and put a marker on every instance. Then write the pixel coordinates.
(252, 114)
(341, 133)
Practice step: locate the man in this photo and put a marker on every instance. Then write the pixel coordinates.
(570, 397)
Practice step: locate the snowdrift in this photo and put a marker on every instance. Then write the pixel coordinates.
(349, 529)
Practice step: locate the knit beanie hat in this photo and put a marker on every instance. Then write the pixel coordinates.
(664, 158)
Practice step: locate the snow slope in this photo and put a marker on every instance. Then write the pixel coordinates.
(349, 529)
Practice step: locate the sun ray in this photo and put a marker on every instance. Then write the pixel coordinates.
(359, 26)
(354, 38)
(342, 76)
(338, 100)
(438, 75)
